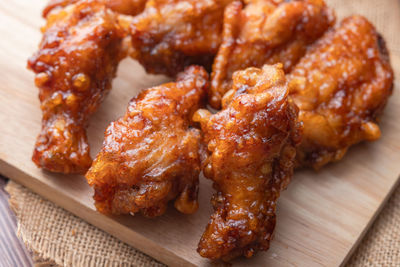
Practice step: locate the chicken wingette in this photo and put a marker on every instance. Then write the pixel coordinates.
(151, 155)
(251, 147)
(341, 87)
(265, 32)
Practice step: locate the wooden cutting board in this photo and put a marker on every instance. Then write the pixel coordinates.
(321, 217)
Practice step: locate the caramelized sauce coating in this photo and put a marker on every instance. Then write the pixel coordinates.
(127, 7)
(151, 155)
(76, 61)
(265, 32)
(251, 153)
(172, 34)
(341, 87)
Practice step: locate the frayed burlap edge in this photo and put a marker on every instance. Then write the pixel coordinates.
(56, 237)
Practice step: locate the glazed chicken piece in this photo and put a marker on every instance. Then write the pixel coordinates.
(127, 7)
(341, 86)
(151, 155)
(171, 34)
(75, 64)
(251, 153)
(265, 32)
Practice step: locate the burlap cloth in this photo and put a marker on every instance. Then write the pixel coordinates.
(56, 237)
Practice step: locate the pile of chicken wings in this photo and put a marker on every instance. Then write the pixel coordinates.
(289, 88)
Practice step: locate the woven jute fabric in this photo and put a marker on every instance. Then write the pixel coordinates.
(59, 238)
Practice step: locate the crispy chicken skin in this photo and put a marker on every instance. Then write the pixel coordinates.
(251, 153)
(265, 31)
(127, 7)
(341, 87)
(172, 34)
(151, 156)
(76, 61)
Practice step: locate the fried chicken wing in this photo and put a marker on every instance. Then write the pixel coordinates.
(171, 34)
(251, 153)
(265, 32)
(151, 155)
(127, 7)
(74, 67)
(341, 86)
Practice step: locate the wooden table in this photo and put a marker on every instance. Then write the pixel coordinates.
(12, 250)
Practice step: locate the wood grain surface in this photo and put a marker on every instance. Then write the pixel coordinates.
(12, 250)
(321, 217)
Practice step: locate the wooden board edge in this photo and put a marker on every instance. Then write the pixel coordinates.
(125, 234)
(370, 222)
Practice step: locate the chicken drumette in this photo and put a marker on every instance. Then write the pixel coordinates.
(75, 64)
(171, 34)
(127, 7)
(151, 155)
(251, 153)
(341, 86)
(265, 31)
